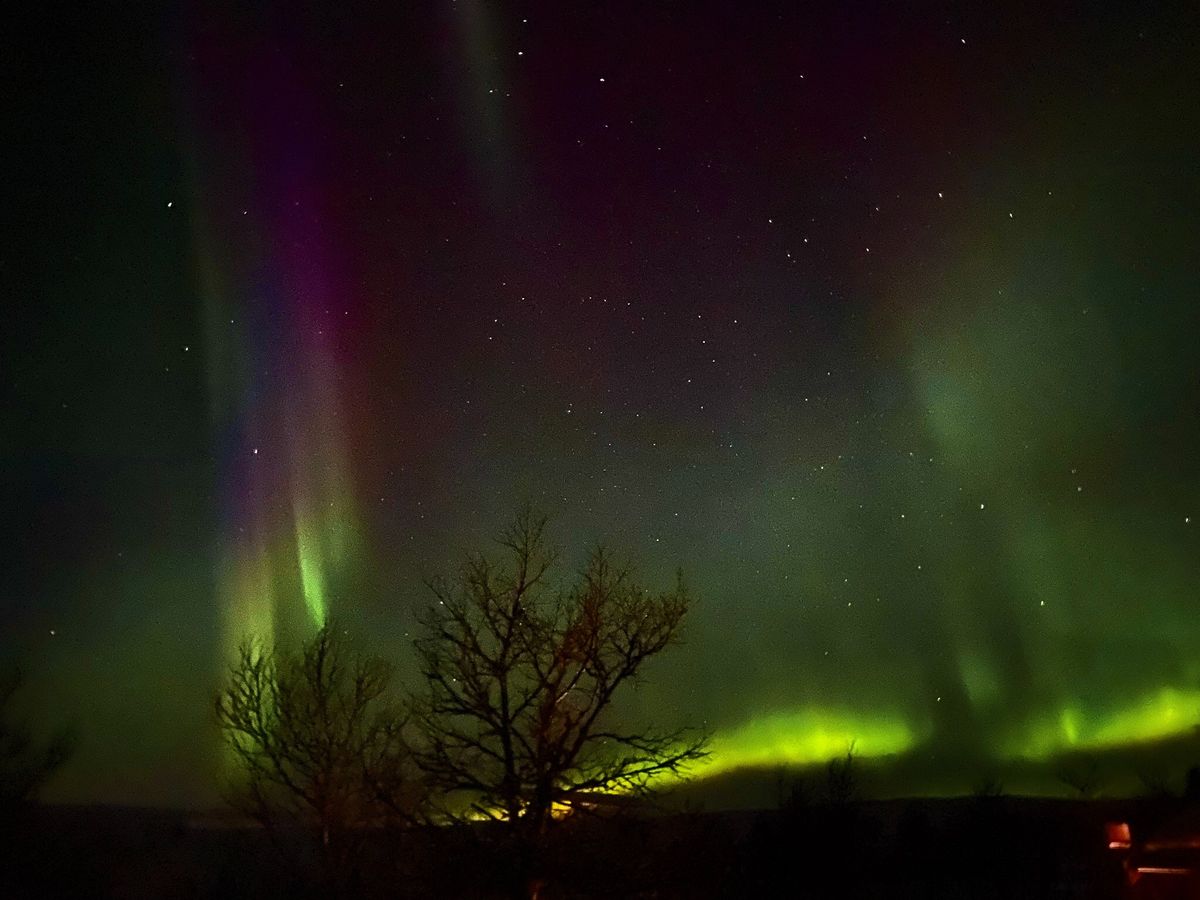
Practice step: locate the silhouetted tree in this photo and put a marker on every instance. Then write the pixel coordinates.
(317, 742)
(25, 763)
(1083, 777)
(515, 720)
(841, 778)
(988, 787)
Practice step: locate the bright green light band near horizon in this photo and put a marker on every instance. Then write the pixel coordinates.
(804, 737)
(1165, 713)
(813, 736)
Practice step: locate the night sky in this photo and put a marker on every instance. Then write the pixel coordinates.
(880, 322)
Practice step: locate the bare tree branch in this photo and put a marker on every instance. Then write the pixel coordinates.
(520, 677)
(317, 741)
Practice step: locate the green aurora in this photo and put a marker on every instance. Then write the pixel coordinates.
(882, 328)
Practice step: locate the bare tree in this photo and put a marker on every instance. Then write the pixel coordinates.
(842, 778)
(25, 763)
(1083, 777)
(317, 742)
(515, 720)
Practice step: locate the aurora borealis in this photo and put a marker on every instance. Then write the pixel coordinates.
(287, 514)
(879, 323)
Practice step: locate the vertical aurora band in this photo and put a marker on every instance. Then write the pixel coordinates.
(272, 307)
(271, 310)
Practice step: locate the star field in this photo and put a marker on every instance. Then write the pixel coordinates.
(878, 323)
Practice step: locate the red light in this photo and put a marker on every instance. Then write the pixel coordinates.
(1119, 837)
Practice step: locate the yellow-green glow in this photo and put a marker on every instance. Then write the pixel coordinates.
(323, 536)
(1162, 714)
(312, 581)
(247, 596)
(806, 736)
(321, 492)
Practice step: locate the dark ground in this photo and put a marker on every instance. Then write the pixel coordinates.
(978, 847)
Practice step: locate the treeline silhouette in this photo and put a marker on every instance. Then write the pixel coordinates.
(510, 728)
(503, 769)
